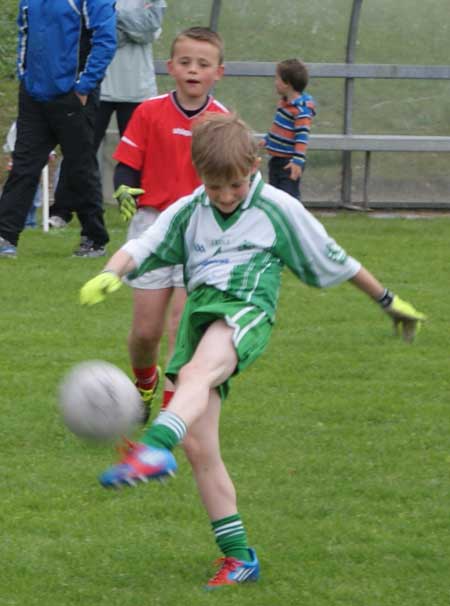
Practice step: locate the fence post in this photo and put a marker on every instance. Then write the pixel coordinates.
(346, 183)
(215, 12)
(45, 198)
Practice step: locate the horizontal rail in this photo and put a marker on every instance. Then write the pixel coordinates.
(369, 143)
(386, 143)
(335, 70)
(384, 205)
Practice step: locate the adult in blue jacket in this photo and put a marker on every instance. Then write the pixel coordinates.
(129, 80)
(64, 49)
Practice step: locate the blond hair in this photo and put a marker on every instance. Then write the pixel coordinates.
(223, 147)
(202, 34)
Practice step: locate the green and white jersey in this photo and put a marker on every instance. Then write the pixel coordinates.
(243, 254)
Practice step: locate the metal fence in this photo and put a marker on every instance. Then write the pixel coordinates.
(348, 145)
(350, 71)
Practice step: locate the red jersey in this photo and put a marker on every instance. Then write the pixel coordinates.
(157, 142)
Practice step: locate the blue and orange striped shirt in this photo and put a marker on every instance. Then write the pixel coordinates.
(289, 135)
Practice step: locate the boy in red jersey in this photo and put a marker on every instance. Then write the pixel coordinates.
(155, 169)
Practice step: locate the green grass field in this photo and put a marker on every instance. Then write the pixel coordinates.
(337, 440)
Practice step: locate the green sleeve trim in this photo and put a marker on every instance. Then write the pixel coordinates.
(287, 245)
(171, 251)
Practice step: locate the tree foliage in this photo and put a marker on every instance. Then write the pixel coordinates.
(8, 39)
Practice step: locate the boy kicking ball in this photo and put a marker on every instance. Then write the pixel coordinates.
(233, 235)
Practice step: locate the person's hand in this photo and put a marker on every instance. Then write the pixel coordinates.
(96, 289)
(295, 170)
(82, 98)
(407, 320)
(125, 196)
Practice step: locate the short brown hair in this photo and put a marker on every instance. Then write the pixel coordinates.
(293, 72)
(223, 147)
(203, 34)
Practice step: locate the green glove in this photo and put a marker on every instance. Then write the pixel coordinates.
(407, 320)
(96, 289)
(125, 196)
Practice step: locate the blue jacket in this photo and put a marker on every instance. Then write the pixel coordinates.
(64, 45)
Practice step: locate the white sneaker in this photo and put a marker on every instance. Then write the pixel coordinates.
(7, 249)
(57, 222)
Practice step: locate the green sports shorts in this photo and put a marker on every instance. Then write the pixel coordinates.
(252, 329)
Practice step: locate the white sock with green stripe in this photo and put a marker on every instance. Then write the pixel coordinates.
(166, 431)
(231, 537)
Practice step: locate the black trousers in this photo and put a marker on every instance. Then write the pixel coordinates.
(124, 111)
(41, 126)
(65, 197)
(279, 176)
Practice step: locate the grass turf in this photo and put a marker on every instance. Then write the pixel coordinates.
(337, 440)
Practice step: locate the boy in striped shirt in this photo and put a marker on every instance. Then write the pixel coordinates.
(233, 235)
(287, 140)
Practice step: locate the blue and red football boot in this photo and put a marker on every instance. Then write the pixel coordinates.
(139, 463)
(233, 572)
